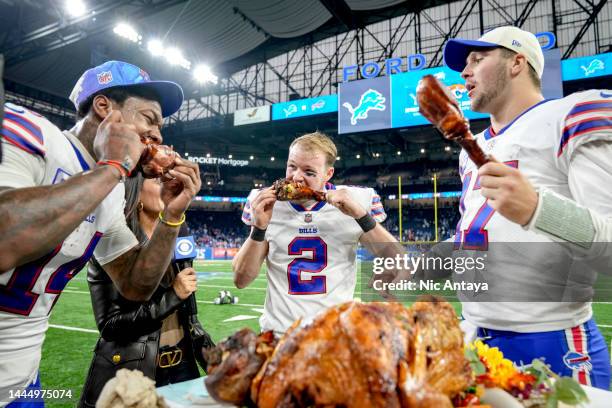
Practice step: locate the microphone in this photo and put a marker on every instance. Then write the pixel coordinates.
(184, 254)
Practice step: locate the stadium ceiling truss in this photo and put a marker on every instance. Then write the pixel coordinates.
(582, 27)
(21, 45)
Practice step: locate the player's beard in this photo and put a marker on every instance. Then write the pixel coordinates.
(489, 93)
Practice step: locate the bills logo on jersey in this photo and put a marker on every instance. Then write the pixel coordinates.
(308, 217)
(577, 361)
(105, 77)
(60, 176)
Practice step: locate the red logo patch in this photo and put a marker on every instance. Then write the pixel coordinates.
(105, 77)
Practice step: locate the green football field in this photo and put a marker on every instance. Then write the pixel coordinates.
(72, 334)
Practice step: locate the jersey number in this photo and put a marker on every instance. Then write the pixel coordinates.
(313, 264)
(17, 296)
(475, 237)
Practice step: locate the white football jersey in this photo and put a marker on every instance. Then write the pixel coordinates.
(541, 143)
(312, 256)
(36, 153)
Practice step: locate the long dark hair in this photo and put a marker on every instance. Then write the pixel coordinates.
(133, 187)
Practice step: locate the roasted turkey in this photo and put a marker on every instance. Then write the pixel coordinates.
(442, 110)
(352, 355)
(156, 160)
(287, 190)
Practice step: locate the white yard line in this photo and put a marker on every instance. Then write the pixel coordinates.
(234, 304)
(78, 329)
(203, 285)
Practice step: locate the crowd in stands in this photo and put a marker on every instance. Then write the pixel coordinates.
(418, 224)
(226, 230)
(217, 229)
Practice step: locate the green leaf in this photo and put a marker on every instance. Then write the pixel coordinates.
(540, 371)
(552, 402)
(568, 391)
(475, 363)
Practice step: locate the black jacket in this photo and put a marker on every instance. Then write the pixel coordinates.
(130, 331)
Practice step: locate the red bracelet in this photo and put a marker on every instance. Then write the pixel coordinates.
(116, 164)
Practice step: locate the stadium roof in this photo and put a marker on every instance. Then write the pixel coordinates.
(47, 49)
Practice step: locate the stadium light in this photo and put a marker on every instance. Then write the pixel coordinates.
(207, 154)
(399, 153)
(203, 74)
(337, 158)
(230, 156)
(251, 158)
(186, 154)
(358, 156)
(208, 183)
(422, 150)
(174, 56)
(126, 31)
(156, 48)
(376, 154)
(272, 158)
(447, 148)
(75, 8)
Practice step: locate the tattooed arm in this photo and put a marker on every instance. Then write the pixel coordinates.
(137, 273)
(37, 219)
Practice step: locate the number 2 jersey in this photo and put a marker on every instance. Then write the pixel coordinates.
(36, 153)
(564, 145)
(311, 258)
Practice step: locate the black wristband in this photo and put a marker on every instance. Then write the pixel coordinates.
(258, 234)
(366, 222)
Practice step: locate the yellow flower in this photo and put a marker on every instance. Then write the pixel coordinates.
(499, 369)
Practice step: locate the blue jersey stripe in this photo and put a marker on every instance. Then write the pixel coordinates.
(22, 143)
(582, 127)
(30, 127)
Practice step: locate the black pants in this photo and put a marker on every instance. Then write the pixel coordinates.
(187, 369)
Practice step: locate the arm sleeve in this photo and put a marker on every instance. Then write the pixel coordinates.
(247, 212)
(118, 318)
(585, 221)
(377, 210)
(20, 169)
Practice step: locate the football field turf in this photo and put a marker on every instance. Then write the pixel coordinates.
(72, 334)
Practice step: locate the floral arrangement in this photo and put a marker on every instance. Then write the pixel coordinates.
(534, 385)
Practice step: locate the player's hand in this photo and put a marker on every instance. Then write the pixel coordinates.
(262, 207)
(185, 283)
(178, 193)
(118, 140)
(342, 200)
(509, 192)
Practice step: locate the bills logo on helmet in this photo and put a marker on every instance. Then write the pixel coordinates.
(105, 77)
(577, 361)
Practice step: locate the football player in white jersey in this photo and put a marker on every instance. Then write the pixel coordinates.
(61, 201)
(309, 247)
(550, 181)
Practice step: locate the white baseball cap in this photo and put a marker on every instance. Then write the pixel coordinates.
(520, 41)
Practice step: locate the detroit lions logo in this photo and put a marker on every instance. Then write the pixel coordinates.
(577, 361)
(595, 65)
(370, 100)
(290, 110)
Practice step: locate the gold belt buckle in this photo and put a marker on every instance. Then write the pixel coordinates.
(170, 358)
